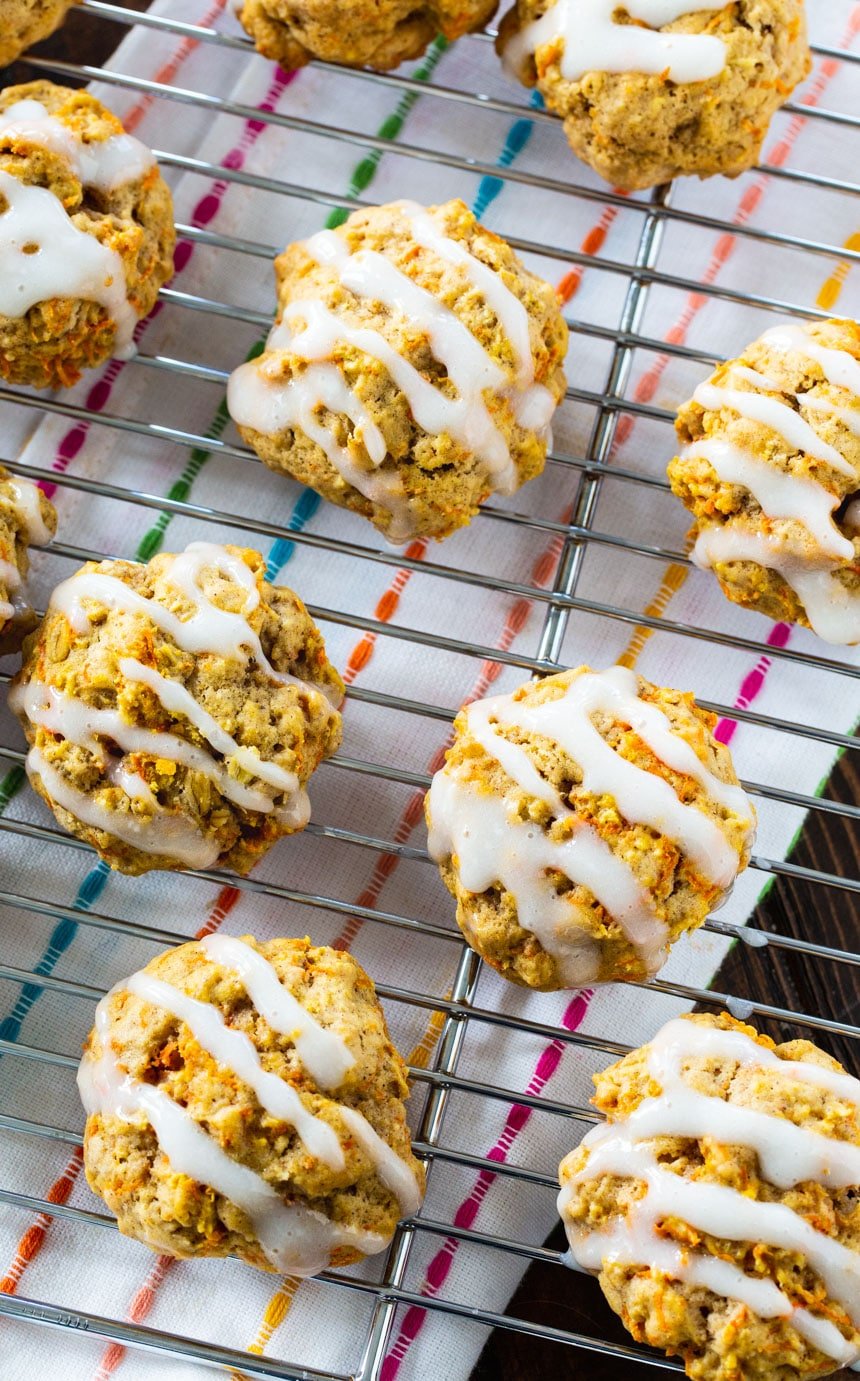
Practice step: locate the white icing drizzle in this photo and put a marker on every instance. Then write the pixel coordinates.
(237, 1053)
(130, 782)
(22, 496)
(782, 419)
(594, 42)
(10, 577)
(470, 368)
(633, 1243)
(295, 1240)
(779, 493)
(832, 608)
(177, 699)
(209, 628)
(788, 1154)
(106, 1088)
(394, 1173)
(506, 306)
(86, 725)
(640, 796)
(839, 367)
(313, 332)
(20, 500)
(103, 164)
(258, 400)
(320, 331)
(162, 833)
(323, 1053)
(680, 1039)
(492, 845)
(66, 262)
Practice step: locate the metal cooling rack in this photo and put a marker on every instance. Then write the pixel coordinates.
(588, 472)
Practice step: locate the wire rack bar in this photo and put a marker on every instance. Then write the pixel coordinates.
(101, 921)
(379, 845)
(261, 526)
(182, 95)
(203, 34)
(171, 1344)
(155, 1340)
(540, 665)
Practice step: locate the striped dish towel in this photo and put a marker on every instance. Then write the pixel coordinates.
(71, 1261)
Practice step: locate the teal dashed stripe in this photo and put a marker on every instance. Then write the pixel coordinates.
(518, 136)
(61, 937)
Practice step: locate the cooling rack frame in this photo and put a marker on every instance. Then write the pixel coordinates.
(559, 600)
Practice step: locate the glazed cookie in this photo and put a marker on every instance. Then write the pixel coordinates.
(770, 468)
(718, 1204)
(413, 370)
(27, 519)
(583, 823)
(246, 1100)
(652, 89)
(25, 22)
(381, 35)
(175, 711)
(86, 235)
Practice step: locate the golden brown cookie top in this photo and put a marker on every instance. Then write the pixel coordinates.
(414, 368)
(593, 781)
(265, 1073)
(770, 467)
(177, 709)
(725, 1179)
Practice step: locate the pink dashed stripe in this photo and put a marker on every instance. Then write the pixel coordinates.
(754, 682)
(517, 1119)
(203, 214)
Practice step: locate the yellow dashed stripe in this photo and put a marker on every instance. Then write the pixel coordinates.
(671, 583)
(276, 1311)
(832, 286)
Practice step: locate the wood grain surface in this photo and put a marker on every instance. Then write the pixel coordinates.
(550, 1294)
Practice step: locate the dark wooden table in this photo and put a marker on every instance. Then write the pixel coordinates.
(546, 1294)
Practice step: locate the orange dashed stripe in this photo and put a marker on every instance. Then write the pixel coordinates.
(673, 579)
(223, 905)
(542, 574)
(420, 1054)
(279, 1305)
(137, 1310)
(385, 610)
(167, 72)
(591, 244)
(31, 1241)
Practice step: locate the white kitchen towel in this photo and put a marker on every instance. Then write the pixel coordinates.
(355, 136)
